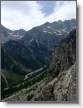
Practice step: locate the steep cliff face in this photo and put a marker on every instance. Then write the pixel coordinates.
(64, 55)
(65, 88)
(61, 89)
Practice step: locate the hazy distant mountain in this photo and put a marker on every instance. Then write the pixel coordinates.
(4, 29)
(18, 34)
(6, 34)
(49, 34)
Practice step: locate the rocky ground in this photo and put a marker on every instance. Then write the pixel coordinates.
(60, 90)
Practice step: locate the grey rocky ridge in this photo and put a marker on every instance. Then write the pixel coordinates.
(41, 64)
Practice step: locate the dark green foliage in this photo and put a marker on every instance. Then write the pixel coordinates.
(20, 54)
(10, 64)
(24, 84)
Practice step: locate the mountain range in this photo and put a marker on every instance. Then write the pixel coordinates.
(49, 48)
(7, 34)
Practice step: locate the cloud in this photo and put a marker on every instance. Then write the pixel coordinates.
(14, 16)
(47, 7)
(64, 10)
(28, 14)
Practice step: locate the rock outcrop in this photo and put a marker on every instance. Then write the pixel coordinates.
(61, 89)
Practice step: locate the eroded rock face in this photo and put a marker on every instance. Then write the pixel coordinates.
(64, 55)
(66, 87)
(61, 89)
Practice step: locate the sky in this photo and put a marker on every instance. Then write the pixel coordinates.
(28, 14)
